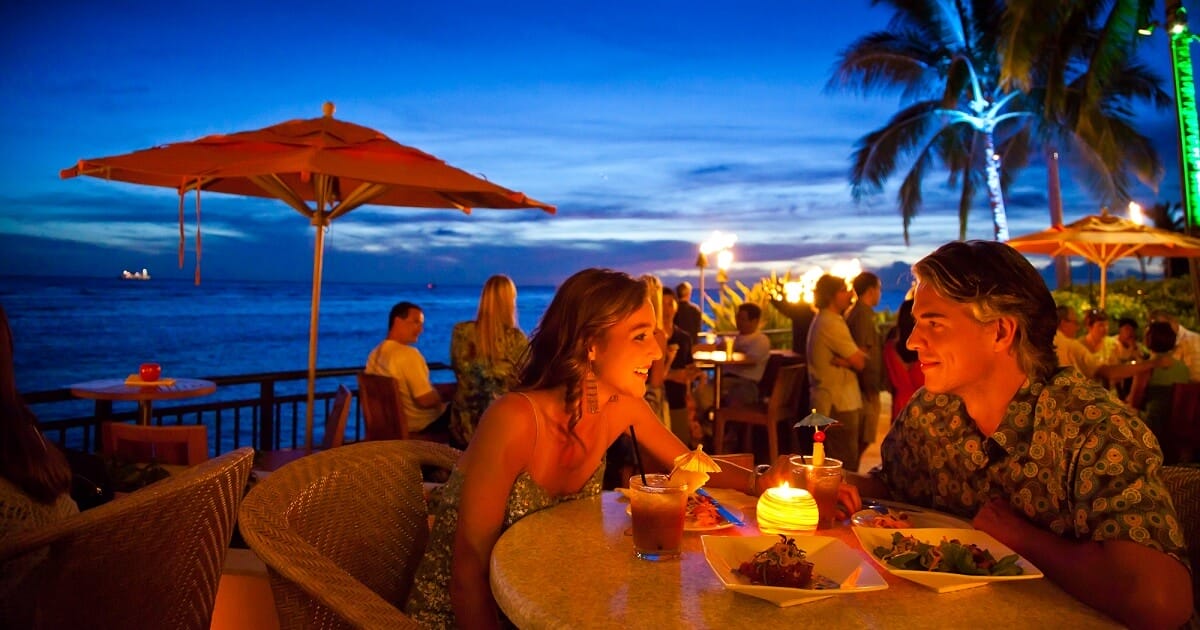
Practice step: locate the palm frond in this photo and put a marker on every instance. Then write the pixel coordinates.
(876, 154)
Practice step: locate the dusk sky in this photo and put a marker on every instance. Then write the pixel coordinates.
(649, 124)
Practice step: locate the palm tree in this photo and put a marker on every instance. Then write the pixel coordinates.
(1075, 58)
(942, 56)
(1169, 216)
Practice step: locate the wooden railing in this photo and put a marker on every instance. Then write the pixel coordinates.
(264, 410)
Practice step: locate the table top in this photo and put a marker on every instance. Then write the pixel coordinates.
(116, 389)
(719, 357)
(573, 566)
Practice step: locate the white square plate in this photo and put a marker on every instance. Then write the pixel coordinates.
(830, 557)
(915, 516)
(872, 537)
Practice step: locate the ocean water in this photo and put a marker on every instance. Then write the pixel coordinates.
(68, 330)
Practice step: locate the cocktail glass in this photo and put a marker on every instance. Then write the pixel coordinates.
(821, 482)
(658, 508)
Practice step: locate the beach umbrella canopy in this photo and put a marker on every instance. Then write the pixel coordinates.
(321, 167)
(1103, 239)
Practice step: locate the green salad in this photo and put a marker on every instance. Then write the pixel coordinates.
(948, 556)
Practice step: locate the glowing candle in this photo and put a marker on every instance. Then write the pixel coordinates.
(786, 510)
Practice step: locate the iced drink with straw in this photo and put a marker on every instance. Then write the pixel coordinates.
(658, 508)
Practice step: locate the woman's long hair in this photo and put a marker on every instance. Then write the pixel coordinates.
(496, 316)
(27, 460)
(654, 289)
(584, 307)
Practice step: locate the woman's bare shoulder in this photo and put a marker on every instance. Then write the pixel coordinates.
(512, 417)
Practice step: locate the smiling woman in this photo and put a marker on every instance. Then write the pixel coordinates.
(579, 390)
(544, 442)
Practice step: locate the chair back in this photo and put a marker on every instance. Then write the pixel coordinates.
(776, 360)
(151, 559)
(183, 445)
(335, 422)
(379, 398)
(785, 393)
(342, 532)
(782, 406)
(1183, 483)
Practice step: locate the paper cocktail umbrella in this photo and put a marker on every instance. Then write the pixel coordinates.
(693, 467)
(817, 420)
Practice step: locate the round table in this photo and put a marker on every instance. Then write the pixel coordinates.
(719, 360)
(572, 566)
(145, 395)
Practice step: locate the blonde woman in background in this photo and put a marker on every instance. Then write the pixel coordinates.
(655, 395)
(485, 355)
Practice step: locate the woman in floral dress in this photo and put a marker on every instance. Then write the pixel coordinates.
(485, 355)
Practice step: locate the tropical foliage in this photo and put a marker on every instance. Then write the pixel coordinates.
(942, 57)
(1170, 217)
(760, 293)
(1135, 299)
(986, 82)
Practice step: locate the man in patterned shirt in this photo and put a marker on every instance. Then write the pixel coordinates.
(1044, 460)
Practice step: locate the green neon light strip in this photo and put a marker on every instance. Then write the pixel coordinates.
(1189, 129)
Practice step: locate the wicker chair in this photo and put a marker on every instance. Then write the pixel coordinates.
(1183, 482)
(149, 560)
(342, 532)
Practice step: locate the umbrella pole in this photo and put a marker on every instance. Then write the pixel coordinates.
(1103, 284)
(318, 260)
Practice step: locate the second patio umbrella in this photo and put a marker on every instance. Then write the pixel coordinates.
(335, 165)
(1103, 239)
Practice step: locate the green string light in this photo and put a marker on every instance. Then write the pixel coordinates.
(1185, 106)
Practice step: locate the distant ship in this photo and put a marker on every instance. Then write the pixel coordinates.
(135, 275)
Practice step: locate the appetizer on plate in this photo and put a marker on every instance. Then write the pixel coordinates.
(945, 559)
(744, 563)
(948, 556)
(783, 564)
(894, 515)
(893, 519)
(701, 512)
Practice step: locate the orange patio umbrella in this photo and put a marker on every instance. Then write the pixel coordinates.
(1103, 239)
(333, 165)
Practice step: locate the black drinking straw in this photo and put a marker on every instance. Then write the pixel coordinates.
(637, 458)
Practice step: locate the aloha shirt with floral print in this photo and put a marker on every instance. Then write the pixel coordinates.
(1067, 455)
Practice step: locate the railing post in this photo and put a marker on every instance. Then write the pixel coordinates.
(266, 415)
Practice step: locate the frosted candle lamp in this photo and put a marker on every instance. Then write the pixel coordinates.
(787, 510)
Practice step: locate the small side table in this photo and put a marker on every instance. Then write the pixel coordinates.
(116, 389)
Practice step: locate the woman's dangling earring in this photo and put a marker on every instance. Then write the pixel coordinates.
(591, 391)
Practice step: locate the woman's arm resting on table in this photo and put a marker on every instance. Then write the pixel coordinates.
(1138, 586)
(501, 448)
